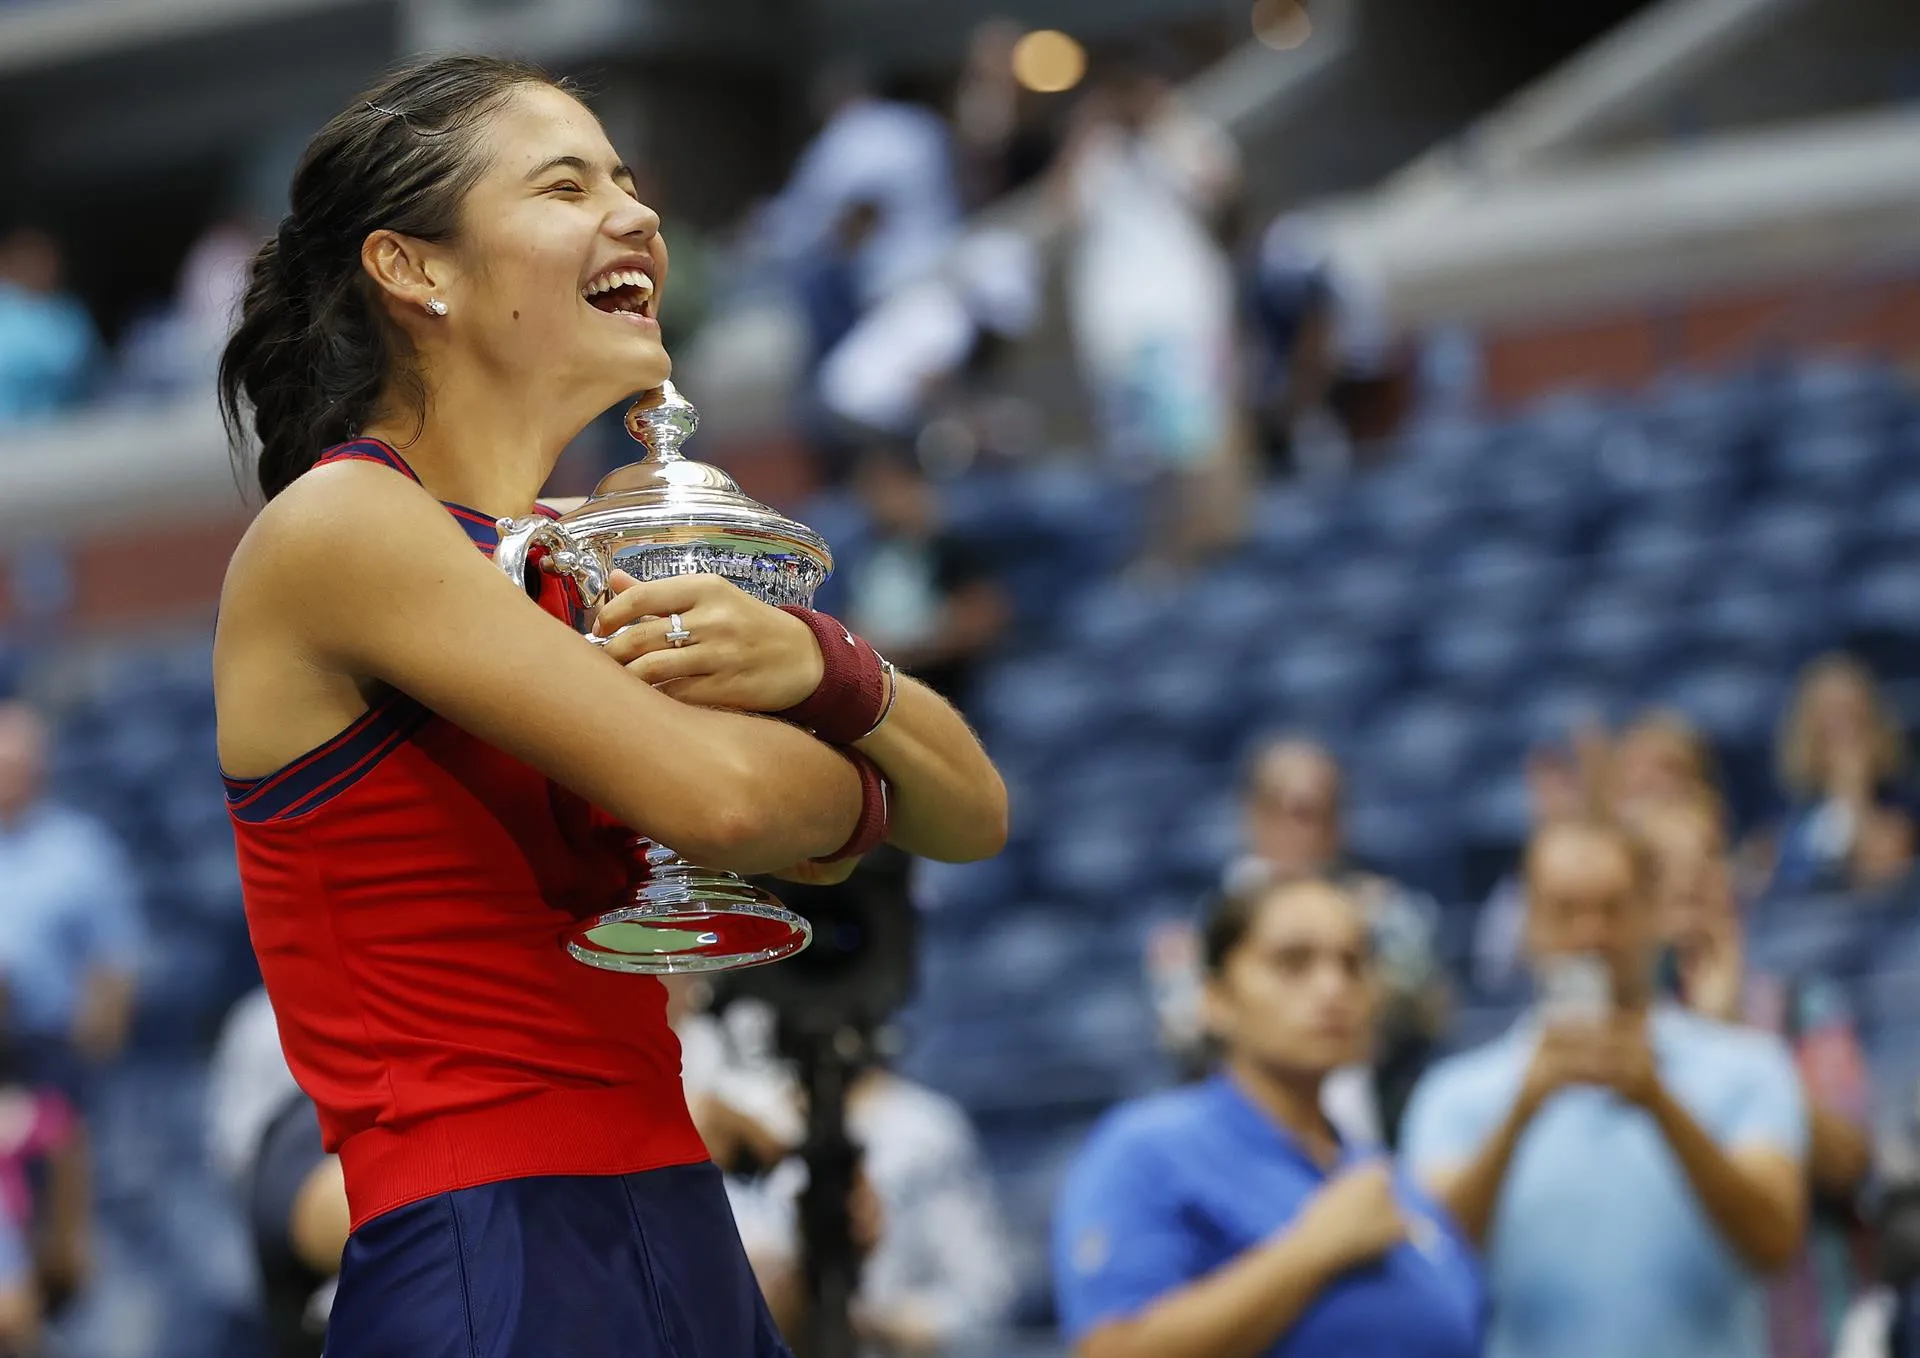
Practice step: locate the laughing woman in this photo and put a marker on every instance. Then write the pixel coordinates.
(422, 759)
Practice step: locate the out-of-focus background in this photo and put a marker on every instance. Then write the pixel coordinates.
(1505, 401)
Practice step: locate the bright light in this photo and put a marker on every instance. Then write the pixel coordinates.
(1047, 61)
(1281, 24)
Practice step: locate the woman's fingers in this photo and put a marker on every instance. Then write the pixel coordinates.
(657, 598)
(641, 638)
(658, 667)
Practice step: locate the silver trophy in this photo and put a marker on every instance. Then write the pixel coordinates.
(658, 517)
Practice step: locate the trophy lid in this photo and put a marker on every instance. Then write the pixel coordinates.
(666, 497)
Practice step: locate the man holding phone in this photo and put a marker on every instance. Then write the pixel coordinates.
(1629, 1168)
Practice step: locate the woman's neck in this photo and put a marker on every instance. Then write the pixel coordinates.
(1293, 1101)
(483, 444)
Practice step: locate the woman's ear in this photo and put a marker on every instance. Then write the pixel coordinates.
(402, 268)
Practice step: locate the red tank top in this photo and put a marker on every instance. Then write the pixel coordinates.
(407, 887)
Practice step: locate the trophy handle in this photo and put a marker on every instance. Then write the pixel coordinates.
(518, 538)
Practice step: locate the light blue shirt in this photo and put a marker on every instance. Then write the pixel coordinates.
(1599, 1248)
(67, 905)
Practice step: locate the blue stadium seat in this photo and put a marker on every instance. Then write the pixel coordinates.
(1893, 520)
(1730, 701)
(1551, 710)
(1837, 390)
(1477, 656)
(1119, 618)
(1104, 858)
(1044, 703)
(1203, 837)
(1422, 744)
(1886, 597)
(966, 889)
(1193, 693)
(1741, 618)
(1502, 577)
(1536, 500)
(1790, 541)
(1369, 596)
(1656, 555)
(1408, 507)
(1321, 683)
(1614, 635)
(1289, 524)
(1699, 409)
(1842, 464)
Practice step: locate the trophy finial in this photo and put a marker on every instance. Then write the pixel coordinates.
(661, 420)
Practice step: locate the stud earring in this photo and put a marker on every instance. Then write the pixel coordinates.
(436, 306)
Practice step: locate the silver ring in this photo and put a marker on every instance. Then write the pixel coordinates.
(677, 633)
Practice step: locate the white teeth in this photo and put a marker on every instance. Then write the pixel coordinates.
(622, 278)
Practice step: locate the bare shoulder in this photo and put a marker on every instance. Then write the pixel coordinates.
(334, 521)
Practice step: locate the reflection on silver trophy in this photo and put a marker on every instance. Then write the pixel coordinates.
(665, 516)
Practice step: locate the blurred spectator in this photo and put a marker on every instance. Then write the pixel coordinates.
(886, 372)
(1002, 141)
(71, 931)
(1150, 294)
(1231, 1219)
(48, 344)
(1813, 1013)
(264, 1138)
(928, 601)
(935, 1278)
(1659, 758)
(1631, 1169)
(1324, 366)
(886, 153)
(1291, 819)
(1656, 760)
(19, 1299)
(1843, 762)
(1561, 783)
(178, 347)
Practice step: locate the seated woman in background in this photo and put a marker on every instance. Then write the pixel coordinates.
(1227, 1219)
(1843, 763)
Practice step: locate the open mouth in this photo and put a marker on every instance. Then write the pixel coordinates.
(621, 292)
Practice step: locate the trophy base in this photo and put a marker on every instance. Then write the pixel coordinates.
(691, 921)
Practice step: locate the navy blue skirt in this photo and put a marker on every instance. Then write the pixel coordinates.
(633, 1266)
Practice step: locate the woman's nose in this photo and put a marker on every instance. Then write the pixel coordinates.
(636, 222)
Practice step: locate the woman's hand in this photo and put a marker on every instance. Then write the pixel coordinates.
(740, 653)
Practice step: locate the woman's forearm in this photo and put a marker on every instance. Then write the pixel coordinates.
(948, 800)
(774, 796)
(1239, 1311)
(1839, 1154)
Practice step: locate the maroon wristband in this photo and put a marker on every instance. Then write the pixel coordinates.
(871, 830)
(852, 692)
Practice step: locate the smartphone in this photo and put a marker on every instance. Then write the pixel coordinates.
(1577, 988)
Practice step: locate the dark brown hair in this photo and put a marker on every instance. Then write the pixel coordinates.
(312, 353)
(1233, 914)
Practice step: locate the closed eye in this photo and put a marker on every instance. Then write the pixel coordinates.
(564, 186)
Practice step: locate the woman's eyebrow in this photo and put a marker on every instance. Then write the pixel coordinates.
(618, 171)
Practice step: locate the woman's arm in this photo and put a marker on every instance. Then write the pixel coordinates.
(376, 582)
(1242, 1309)
(948, 800)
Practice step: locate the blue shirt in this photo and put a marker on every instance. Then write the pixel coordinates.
(1599, 1247)
(1172, 1188)
(67, 905)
